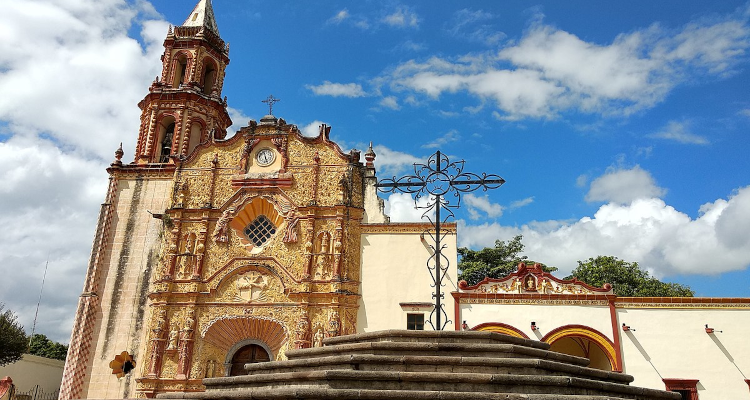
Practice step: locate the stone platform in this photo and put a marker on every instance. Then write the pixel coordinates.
(419, 365)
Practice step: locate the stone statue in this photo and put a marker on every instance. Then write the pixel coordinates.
(173, 338)
(319, 338)
(220, 232)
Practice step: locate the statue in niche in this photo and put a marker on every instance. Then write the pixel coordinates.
(250, 286)
(187, 261)
(319, 335)
(220, 232)
(172, 344)
(182, 195)
(529, 283)
(323, 265)
(334, 324)
(210, 369)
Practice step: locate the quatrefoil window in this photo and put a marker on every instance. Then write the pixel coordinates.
(260, 230)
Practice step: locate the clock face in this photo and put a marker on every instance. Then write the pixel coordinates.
(265, 157)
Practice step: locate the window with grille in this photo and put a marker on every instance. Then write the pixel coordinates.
(260, 230)
(415, 322)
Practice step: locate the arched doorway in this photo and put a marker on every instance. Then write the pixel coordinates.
(587, 342)
(247, 354)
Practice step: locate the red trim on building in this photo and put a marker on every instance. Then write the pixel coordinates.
(535, 270)
(613, 359)
(683, 384)
(615, 333)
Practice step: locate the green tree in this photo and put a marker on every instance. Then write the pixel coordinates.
(12, 337)
(626, 278)
(43, 347)
(493, 262)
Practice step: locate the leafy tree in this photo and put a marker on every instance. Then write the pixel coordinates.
(12, 337)
(627, 278)
(43, 347)
(493, 262)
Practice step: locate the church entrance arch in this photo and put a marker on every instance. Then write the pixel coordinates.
(583, 341)
(247, 351)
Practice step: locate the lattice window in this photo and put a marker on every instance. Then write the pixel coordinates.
(415, 322)
(260, 230)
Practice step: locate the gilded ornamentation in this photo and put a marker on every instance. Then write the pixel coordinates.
(334, 324)
(319, 335)
(251, 287)
(302, 333)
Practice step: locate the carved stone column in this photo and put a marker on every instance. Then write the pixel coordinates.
(186, 347)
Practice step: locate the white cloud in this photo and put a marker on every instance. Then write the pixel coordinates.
(409, 45)
(467, 24)
(49, 201)
(390, 102)
(475, 204)
(401, 207)
(450, 136)
(60, 63)
(550, 71)
(339, 17)
(337, 89)
(402, 18)
(679, 132)
(647, 230)
(312, 129)
(239, 120)
(521, 203)
(624, 186)
(391, 162)
(745, 112)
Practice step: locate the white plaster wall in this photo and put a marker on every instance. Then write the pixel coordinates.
(547, 317)
(674, 344)
(394, 270)
(125, 333)
(34, 370)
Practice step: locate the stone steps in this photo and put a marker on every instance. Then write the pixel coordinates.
(435, 382)
(418, 365)
(367, 362)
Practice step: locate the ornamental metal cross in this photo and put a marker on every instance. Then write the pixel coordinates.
(270, 101)
(436, 179)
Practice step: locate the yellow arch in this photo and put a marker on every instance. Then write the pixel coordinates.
(500, 327)
(586, 332)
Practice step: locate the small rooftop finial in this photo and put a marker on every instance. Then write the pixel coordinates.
(118, 156)
(370, 156)
(203, 15)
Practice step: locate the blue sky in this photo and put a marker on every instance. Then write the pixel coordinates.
(621, 128)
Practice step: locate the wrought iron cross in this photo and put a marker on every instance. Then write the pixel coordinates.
(436, 179)
(270, 101)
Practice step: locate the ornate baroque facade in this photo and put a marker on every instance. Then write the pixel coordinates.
(213, 251)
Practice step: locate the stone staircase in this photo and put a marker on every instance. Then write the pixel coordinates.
(426, 365)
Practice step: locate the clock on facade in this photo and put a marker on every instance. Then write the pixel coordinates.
(265, 157)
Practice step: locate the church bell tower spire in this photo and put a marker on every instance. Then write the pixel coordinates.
(184, 106)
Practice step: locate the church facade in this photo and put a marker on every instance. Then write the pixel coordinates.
(214, 251)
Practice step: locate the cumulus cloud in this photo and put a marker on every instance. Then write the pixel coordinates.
(401, 207)
(391, 162)
(550, 71)
(402, 18)
(390, 102)
(312, 129)
(624, 186)
(679, 132)
(60, 62)
(337, 89)
(660, 238)
(475, 204)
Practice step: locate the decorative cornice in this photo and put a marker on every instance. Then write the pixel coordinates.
(534, 281)
(406, 227)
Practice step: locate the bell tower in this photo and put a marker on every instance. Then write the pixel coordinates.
(184, 106)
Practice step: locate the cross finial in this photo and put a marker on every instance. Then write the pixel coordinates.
(270, 101)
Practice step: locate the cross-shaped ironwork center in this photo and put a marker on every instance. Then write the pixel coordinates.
(270, 101)
(436, 179)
